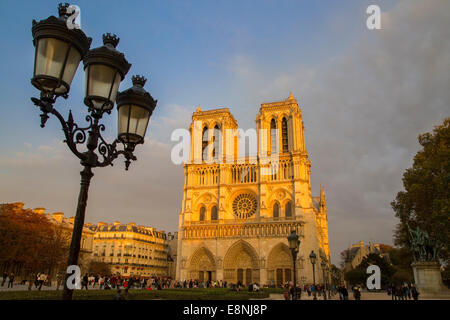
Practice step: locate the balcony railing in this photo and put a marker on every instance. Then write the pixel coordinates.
(239, 221)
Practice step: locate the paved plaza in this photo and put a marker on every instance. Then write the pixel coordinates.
(365, 295)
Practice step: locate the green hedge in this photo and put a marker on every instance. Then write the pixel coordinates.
(166, 294)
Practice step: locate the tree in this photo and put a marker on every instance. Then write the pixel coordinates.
(345, 256)
(336, 275)
(30, 242)
(426, 199)
(99, 268)
(356, 276)
(385, 268)
(401, 258)
(401, 276)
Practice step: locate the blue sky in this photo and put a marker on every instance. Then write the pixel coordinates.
(365, 96)
(183, 47)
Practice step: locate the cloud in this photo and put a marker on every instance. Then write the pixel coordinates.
(363, 111)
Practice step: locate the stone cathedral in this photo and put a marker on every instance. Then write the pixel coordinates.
(237, 212)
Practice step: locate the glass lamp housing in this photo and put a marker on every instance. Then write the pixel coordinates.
(293, 240)
(312, 257)
(105, 68)
(58, 52)
(135, 106)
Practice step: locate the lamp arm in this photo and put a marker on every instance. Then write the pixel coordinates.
(75, 135)
(110, 152)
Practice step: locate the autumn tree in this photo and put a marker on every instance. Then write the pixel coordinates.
(29, 241)
(99, 268)
(425, 201)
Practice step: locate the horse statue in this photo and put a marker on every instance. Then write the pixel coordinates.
(422, 245)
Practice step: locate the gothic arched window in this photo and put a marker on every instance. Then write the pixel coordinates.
(284, 135)
(204, 142)
(216, 140)
(214, 213)
(273, 137)
(202, 214)
(276, 210)
(288, 209)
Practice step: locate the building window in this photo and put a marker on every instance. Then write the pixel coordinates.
(216, 140)
(288, 209)
(202, 213)
(273, 137)
(214, 213)
(284, 135)
(204, 142)
(276, 210)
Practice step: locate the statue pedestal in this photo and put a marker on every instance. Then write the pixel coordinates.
(427, 275)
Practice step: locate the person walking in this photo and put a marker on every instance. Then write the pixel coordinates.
(11, 280)
(41, 280)
(85, 282)
(345, 293)
(357, 293)
(31, 278)
(58, 280)
(398, 292)
(414, 292)
(392, 291)
(5, 275)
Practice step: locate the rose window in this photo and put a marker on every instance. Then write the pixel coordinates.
(244, 205)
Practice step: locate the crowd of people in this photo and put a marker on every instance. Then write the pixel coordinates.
(317, 291)
(38, 280)
(102, 282)
(10, 279)
(406, 291)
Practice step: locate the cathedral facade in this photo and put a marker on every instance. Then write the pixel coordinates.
(238, 208)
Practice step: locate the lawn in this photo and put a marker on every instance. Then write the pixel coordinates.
(135, 294)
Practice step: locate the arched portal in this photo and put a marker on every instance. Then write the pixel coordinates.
(202, 265)
(241, 264)
(280, 267)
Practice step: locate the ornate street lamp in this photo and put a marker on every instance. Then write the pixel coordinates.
(324, 265)
(59, 51)
(294, 245)
(312, 258)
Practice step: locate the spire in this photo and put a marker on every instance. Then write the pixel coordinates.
(322, 195)
(291, 97)
(198, 109)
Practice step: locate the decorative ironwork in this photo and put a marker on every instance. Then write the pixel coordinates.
(244, 205)
(91, 135)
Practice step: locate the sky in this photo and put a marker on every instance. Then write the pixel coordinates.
(365, 96)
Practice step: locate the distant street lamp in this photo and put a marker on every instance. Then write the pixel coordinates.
(328, 284)
(294, 245)
(58, 53)
(324, 265)
(312, 258)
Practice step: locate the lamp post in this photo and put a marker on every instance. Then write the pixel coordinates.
(324, 265)
(294, 245)
(328, 285)
(312, 258)
(58, 53)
